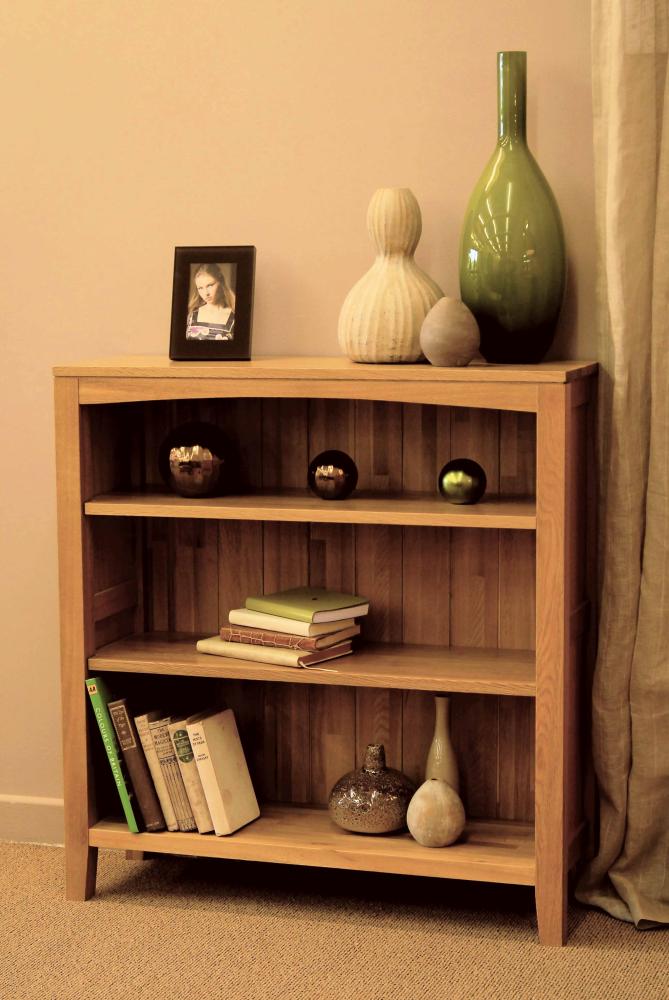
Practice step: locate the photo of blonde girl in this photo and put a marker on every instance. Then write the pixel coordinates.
(211, 303)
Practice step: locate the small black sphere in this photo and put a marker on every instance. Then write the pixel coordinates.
(332, 475)
(462, 481)
(195, 460)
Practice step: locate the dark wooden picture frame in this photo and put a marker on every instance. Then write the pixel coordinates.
(212, 303)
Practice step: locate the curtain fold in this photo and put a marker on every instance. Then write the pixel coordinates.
(629, 877)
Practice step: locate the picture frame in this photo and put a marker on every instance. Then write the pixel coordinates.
(212, 303)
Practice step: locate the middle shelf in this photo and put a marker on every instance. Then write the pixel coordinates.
(374, 665)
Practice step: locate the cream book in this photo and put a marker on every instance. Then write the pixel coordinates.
(221, 763)
(258, 619)
(156, 771)
(171, 773)
(190, 774)
(272, 654)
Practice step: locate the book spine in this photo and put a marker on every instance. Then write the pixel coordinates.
(260, 637)
(99, 699)
(170, 767)
(156, 772)
(191, 777)
(205, 768)
(128, 739)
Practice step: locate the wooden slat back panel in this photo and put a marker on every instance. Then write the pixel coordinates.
(426, 586)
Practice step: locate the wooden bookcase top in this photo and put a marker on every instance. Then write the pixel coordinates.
(262, 368)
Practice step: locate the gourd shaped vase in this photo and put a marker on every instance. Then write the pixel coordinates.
(512, 252)
(441, 760)
(381, 317)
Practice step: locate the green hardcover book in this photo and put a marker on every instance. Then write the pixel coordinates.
(310, 604)
(100, 698)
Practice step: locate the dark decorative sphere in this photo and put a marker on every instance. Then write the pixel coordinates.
(332, 475)
(462, 481)
(195, 460)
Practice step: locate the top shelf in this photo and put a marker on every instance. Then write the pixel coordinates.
(329, 368)
(300, 505)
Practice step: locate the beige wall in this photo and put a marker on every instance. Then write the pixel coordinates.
(132, 126)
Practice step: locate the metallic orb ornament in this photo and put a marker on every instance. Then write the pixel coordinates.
(332, 475)
(195, 461)
(462, 481)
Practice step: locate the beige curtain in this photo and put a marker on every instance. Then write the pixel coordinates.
(629, 877)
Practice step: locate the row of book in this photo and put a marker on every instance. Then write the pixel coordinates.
(175, 773)
(298, 627)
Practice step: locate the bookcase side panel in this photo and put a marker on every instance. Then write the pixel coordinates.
(517, 618)
(76, 642)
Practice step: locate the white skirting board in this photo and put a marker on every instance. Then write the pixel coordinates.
(31, 819)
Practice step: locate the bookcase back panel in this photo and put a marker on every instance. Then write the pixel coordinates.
(436, 586)
(395, 446)
(305, 737)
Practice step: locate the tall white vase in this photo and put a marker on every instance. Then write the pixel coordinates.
(381, 317)
(441, 760)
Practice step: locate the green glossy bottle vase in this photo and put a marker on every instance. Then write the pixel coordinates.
(512, 254)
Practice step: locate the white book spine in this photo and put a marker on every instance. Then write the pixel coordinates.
(191, 776)
(220, 760)
(156, 771)
(175, 786)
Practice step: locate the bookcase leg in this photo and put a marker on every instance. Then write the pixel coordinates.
(551, 901)
(81, 870)
(136, 856)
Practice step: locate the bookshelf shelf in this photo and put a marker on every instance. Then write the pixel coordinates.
(381, 665)
(489, 603)
(488, 852)
(299, 505)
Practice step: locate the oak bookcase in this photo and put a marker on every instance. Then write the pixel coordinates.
(491, 603)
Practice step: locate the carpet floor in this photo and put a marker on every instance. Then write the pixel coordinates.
(177, 927)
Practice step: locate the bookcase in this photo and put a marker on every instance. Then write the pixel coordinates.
(491, 603)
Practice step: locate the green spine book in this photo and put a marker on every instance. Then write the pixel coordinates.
(310, 604)
(100, 698)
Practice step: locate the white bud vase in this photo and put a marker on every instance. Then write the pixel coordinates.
(436, 815)
(441, 760)
(381, 317)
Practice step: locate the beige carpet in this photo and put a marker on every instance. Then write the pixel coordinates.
(173, 928)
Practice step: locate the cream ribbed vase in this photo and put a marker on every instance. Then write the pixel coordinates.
(381, 317)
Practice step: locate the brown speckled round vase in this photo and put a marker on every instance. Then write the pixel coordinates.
(373, 799)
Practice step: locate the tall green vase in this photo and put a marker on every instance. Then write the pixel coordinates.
(512, 254)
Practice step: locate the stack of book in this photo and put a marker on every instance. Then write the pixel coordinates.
(175, 772)
(300, 627)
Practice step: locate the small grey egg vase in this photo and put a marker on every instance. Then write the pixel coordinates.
(436, 815)
(381, 317)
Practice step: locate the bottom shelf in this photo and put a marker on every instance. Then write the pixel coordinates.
(489, 851)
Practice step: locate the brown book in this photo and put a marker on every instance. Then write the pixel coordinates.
(264, 637)
(135, 761)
